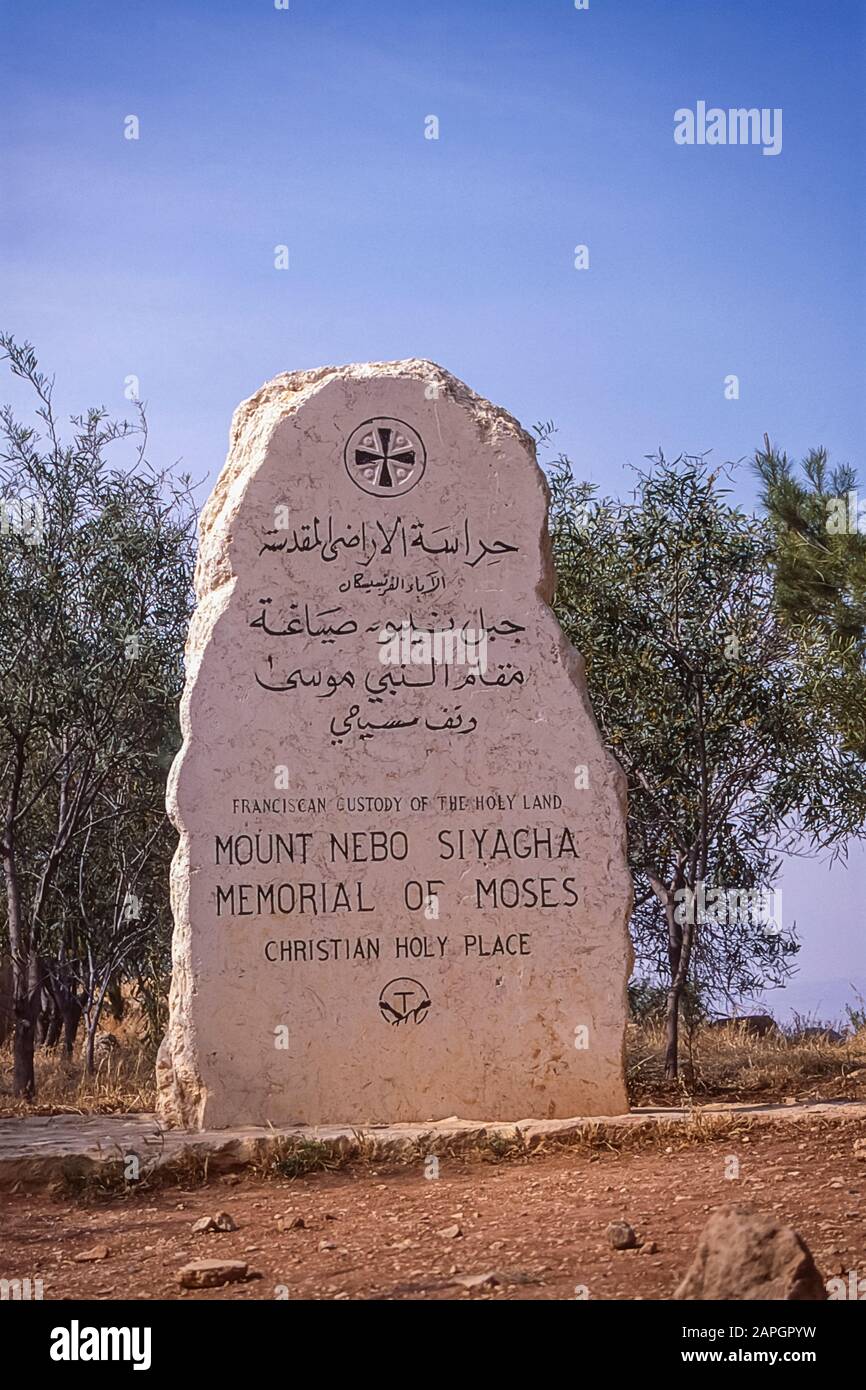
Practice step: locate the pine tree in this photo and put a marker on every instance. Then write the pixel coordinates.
(820, 576)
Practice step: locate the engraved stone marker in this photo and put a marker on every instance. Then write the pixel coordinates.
(401, 890)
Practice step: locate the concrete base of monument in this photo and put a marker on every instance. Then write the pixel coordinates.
(40, 1150)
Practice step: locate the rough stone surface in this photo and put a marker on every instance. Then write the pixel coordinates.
(211, 1274)
(380, 969)
(743, 1254)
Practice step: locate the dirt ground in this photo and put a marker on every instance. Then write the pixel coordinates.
(537, 1226)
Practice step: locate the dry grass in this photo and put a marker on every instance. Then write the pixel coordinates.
(728, 1065)
(294, 1158)
(123, 1084)
(718, 1065)
(284, 1160)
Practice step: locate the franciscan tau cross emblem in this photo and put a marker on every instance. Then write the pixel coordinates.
(385, 457)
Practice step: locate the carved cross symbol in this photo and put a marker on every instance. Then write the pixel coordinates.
(386, 457)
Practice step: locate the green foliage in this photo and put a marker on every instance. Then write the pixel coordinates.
(95, 598)
(819, 567)
(295, 1158)
(700, 692)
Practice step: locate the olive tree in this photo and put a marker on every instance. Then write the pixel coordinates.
(95, 579)
(700, 693)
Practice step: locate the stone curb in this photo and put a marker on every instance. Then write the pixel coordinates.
(37, 1151)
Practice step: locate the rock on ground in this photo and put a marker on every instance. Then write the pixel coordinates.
(210, 1274)
(621, 1235)
(743, 1254)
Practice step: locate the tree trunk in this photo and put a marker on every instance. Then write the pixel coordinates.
(55, 1025)
(672, 1014)
(26, 974)
(71, 1020)
(93, 1015)
(90, 1046)
(116, 1001)
(67, 1008)
(23, 1072)
(672, 1034)
(681, 935)
(27, 1002)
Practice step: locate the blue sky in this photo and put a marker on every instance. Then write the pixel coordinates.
(305, 127)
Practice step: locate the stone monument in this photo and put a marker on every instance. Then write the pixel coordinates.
(401, 890)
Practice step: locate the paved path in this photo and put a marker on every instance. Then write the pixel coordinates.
(36, 1150)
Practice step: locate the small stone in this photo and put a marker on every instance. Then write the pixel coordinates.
(221, 1222)
(211, 1274)
(98, 1252)
(478, 1281)
(291, 1223)
(327, 1245)
(649, 1247)
(621, 1235)
(451, 1232)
